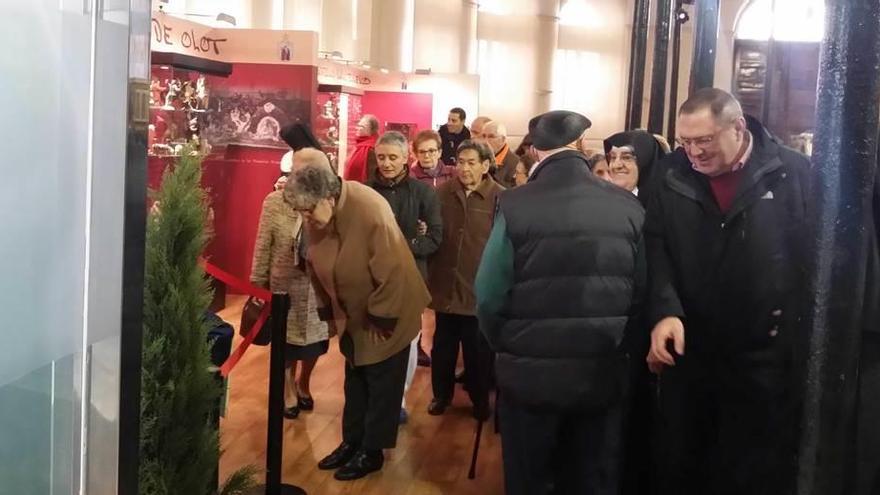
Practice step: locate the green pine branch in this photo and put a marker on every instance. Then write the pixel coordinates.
(179, 445)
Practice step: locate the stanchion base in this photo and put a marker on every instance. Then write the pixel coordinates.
(285, 490)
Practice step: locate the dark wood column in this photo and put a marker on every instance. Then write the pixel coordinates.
(659, 71)
(638, 49)
(842, 293)
(680, 16)
(705, 40)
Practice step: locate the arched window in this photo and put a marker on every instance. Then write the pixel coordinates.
(786, 20)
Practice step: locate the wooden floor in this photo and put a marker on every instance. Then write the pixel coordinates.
(432, 455)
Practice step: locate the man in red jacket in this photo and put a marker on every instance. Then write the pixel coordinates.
(362, 161)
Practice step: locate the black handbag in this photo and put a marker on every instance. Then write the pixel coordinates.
(249, 316)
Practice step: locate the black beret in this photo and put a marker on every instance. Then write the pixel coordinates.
(556, 129)
(298, 136)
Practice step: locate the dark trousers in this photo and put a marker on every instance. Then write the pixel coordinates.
(869, 409)
(728, 424)
(451, 331)
(639, 431)
(560, 453)
(372, 402)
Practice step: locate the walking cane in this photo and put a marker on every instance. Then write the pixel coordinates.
(497, 406)
(473, 471)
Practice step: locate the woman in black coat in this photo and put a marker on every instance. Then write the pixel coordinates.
(633, 158)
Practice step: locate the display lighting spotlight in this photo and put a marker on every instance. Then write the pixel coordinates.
(682, 16)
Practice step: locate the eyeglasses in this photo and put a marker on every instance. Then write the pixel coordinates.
(622, 157)
(702, 142)
(428, 152)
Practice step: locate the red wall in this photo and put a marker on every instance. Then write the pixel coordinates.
(405, 108)
(236, 188)
(238, 177)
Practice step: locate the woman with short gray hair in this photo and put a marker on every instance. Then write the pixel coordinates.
(311, 186)
(371, 294)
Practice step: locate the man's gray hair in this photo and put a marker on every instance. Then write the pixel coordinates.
(374, 123)
(723, 106)
(397, 139)
(500, 129)
(310, 184)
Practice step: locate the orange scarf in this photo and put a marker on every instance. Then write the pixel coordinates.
(499, 158)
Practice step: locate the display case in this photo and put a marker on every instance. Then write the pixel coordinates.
(180, 110)
(339, 108)
(244, 108)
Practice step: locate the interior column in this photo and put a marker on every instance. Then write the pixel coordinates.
(467, 57)
(546, 43)
(638, 53)
(843, 297)
(392, 36)
(705, 41)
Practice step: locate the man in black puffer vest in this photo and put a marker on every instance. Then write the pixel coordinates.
(558, 283)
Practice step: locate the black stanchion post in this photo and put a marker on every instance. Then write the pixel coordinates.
(275, 431)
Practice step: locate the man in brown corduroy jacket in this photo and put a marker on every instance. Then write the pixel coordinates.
(467, 205)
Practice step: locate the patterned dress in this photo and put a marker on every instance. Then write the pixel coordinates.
(275, 266)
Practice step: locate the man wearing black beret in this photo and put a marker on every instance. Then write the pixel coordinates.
(559, 279)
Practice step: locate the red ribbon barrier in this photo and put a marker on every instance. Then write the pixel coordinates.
(249, 289)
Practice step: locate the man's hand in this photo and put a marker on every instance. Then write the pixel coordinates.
(377, 335)
(423, 228)
(666, 330)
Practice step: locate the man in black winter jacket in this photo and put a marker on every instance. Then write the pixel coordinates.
(415, 204)
(555, 291)
(726, 236)
(417, 211)
(452, 134)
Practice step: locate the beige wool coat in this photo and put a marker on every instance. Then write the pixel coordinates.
(274, 267)
(365, 276)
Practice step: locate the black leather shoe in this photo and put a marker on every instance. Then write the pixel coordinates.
(362, 464)
(305, 403)
(339, 457)
(291, 412)
(437, 407)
